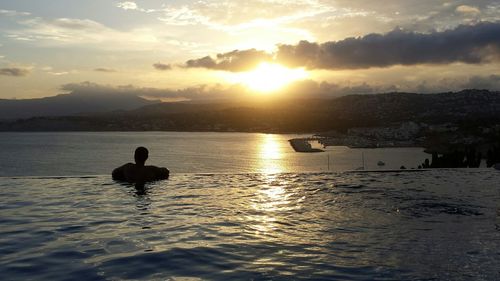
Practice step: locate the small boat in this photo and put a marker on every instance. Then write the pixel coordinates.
(381, 163)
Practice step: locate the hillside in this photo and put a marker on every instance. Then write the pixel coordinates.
(315, 115)
(69, 104)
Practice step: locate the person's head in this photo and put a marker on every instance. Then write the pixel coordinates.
(141, 155)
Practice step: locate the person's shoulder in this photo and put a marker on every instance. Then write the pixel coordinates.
(118, 172)
(125, 166)
(129, 164)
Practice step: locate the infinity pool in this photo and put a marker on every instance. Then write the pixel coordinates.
(431, 225)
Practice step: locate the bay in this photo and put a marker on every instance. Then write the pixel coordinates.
(97, 153)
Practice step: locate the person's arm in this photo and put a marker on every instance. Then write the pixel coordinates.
(119, 173)
(158, 173)
(163, 173)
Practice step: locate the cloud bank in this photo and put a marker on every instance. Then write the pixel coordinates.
(232, 61)
(14, 71)
(471, 44)
(201, 92)
(298, 89)
(491, 82)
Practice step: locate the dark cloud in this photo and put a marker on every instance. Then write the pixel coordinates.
(75, 24)
(14, 71)
(205, 62)
(232, 61)
(162, 66)
(471, 44)
(101, 69)
(202, 92)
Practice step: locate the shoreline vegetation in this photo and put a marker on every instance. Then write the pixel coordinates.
(452, 125)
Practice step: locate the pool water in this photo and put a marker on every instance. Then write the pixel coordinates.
(430, 225)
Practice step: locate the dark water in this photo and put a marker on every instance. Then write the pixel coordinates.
(85, 153)
(435, 225)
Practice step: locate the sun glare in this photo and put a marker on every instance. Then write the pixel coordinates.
(269, 77)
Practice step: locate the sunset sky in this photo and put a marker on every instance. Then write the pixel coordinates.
(182, 49)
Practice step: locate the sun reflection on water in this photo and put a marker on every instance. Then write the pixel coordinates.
(270, 155)
(271, 206)
(272, 199)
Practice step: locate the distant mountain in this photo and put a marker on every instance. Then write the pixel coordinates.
(70, 104)
(472, 108)
(166, 108)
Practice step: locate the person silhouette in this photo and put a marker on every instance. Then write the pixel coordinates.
(139, 173)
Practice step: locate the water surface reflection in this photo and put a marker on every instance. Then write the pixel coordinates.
(438, 225)
(270, 155)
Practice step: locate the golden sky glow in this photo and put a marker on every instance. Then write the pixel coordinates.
(146, 44)
(268, 77)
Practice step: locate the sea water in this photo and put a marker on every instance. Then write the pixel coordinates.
(431, 225)
(86, 153)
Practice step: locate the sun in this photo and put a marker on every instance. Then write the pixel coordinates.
(269, 77)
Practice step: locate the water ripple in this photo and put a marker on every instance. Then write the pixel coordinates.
(438, 225)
